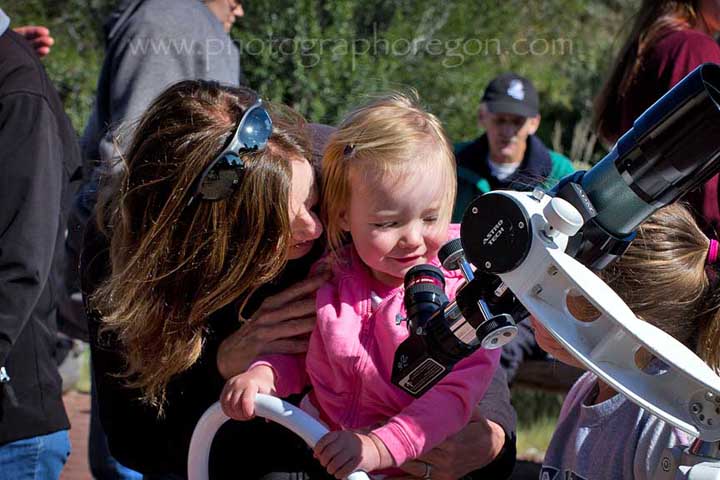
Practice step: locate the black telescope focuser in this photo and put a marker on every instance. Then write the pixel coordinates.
(441, 332)
(672, 148)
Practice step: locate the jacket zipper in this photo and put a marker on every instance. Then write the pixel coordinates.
(7, 389)
(365, 337)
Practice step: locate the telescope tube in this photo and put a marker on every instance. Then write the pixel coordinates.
(672, 148)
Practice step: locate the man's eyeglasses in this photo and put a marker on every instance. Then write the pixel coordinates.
(223, 175)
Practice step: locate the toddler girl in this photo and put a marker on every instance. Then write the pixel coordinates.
(388, 188)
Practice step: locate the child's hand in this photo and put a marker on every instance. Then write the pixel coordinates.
(343, 452)
(238, 395)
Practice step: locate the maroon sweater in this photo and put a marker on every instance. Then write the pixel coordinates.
(673, 56)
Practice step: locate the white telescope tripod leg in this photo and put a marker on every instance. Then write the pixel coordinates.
(272, 408)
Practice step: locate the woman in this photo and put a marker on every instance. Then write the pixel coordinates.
(668, 40)
(199, 269)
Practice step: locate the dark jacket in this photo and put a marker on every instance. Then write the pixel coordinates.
(38, 158)
(540, 166)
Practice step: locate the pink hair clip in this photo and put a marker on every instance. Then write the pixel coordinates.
(712, 255)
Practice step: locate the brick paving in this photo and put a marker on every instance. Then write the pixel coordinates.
(78, 409)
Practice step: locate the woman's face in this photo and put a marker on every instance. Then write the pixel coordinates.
(304, 222)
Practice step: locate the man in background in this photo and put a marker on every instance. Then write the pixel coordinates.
(508, 155)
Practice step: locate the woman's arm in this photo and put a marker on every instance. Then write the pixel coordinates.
(281, 325)
(484, 448)
(138, 437)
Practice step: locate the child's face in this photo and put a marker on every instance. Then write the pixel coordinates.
(548, 343)
(395, 222)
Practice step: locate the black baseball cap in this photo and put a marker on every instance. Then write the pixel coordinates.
(511, 93)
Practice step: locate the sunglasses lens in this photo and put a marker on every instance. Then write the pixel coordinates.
(222, 179)
(225, 173)
(256, 129)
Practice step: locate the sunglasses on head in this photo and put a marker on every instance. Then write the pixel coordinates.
(223, 175)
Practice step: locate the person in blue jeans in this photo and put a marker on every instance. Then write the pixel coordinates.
(40, 158)
(40, 457)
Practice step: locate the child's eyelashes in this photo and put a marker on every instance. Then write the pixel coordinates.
(384, 224)
(430, 220)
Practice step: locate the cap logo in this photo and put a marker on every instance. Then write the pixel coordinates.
(516, 90)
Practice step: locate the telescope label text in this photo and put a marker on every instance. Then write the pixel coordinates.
(494, 233)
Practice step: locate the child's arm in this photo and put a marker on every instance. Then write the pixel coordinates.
(238, 395)
(288, 370)
(442, 411)
(345, 451)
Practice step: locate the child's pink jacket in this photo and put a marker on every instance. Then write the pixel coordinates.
(349, 364)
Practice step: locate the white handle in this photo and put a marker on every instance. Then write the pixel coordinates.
(267, 406)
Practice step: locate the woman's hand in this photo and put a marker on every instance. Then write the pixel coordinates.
(282, 324)
(238, 396)
(473, 447)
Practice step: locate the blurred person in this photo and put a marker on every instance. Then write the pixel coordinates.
(668, 40)
(508, 156)
(228, 11)
(150, 45)
(40, 157)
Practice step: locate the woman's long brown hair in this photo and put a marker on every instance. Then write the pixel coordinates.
(654, 18)
(173, 265)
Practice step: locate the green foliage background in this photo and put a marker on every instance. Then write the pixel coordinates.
(323, 57)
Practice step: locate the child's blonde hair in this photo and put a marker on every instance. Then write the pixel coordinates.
(385, 138)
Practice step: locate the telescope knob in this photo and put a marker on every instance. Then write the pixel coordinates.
(497, 331)
(561, 217)
(450, 254)
(452, 257)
